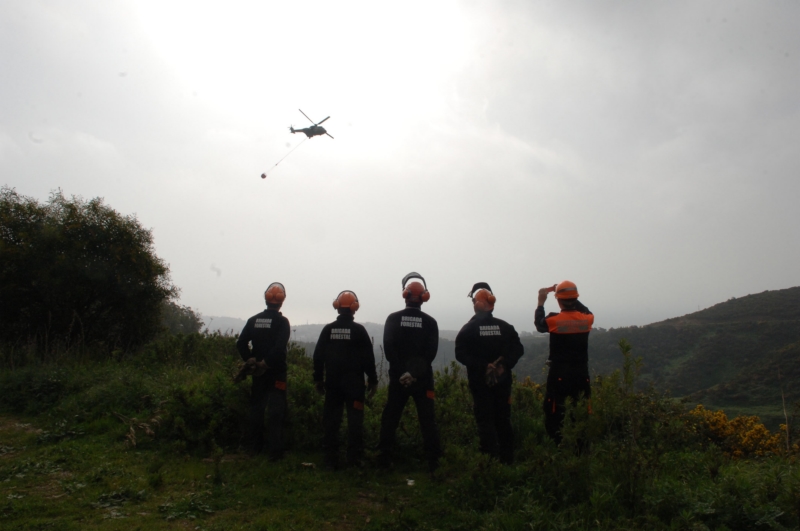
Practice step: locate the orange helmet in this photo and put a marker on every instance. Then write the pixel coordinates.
(483, 300)
(566, 290)
(275, 294)
(346, 299)
(414, 290)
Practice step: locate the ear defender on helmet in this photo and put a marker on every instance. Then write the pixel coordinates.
(275, 294)
(566, 290)
(483, 300)
(415, 291)
(346, 299)
(482, 297)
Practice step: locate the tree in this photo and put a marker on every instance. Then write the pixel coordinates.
(77, 272)
(179, 319)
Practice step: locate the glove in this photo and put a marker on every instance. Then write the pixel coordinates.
(491, 375)
(494, 371)
(406, 379)
(260, 367)
(245, 369)
(320, 387)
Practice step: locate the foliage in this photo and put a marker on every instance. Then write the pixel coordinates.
(76, 273)
(179, 319)
(738, 355)
(638, 460)
(743, 436)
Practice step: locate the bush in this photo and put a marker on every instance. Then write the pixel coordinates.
(744, 436)
(178, 319)
(637, 461)
(75, 273)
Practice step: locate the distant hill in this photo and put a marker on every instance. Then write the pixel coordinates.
(301, 333)
(734, 355)
(226, 325)
(729, 356)
(308, 334)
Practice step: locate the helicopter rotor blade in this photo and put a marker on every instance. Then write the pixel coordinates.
(328, 134)
(322, 121)
(304, 114)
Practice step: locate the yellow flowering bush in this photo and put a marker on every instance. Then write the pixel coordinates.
(743, 436)
(535, 387)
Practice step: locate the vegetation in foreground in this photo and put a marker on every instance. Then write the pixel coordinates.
(740, 355)
(153, 441)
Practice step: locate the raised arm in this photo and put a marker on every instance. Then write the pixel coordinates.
(539, 316)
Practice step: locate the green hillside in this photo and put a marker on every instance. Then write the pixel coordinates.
(734, 355)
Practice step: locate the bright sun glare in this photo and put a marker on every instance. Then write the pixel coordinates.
(374, 60)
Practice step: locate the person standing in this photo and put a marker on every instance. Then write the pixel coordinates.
(568, 376)
(263, 343)
(490, 348)
(411, 340)
(342, 357)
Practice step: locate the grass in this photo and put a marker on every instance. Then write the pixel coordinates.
(93, 482)
(97, 481)
(68, 458)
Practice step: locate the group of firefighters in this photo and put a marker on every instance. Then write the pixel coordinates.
(489, 348)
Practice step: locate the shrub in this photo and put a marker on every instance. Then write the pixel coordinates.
(637, 461)
(76, 273)
(743, 436)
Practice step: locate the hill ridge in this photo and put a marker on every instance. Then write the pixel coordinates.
(726, 356)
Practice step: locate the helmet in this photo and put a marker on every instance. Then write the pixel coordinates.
(566, 290)
(415, 291)
(483, 300)
(275, 294)
(346, 299)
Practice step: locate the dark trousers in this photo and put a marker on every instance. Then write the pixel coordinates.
(492, 406)
(423, 394)
(268, 393)
(563, 381)
(337, 399)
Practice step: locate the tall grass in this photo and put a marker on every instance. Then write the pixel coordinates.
(637, 460)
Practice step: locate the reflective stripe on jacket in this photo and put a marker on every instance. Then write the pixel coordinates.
(569, 333)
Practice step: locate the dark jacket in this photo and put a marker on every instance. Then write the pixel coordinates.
(484, 339)
(269, 331)
(343, 355)
(569, 333)
(411, 340)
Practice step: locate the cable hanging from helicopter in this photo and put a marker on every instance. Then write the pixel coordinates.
(316, 129)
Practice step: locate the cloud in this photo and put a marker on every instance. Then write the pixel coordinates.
(645, 151)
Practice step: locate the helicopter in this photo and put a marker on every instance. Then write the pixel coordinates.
(314, 130)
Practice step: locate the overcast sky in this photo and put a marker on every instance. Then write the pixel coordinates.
(648, 151)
